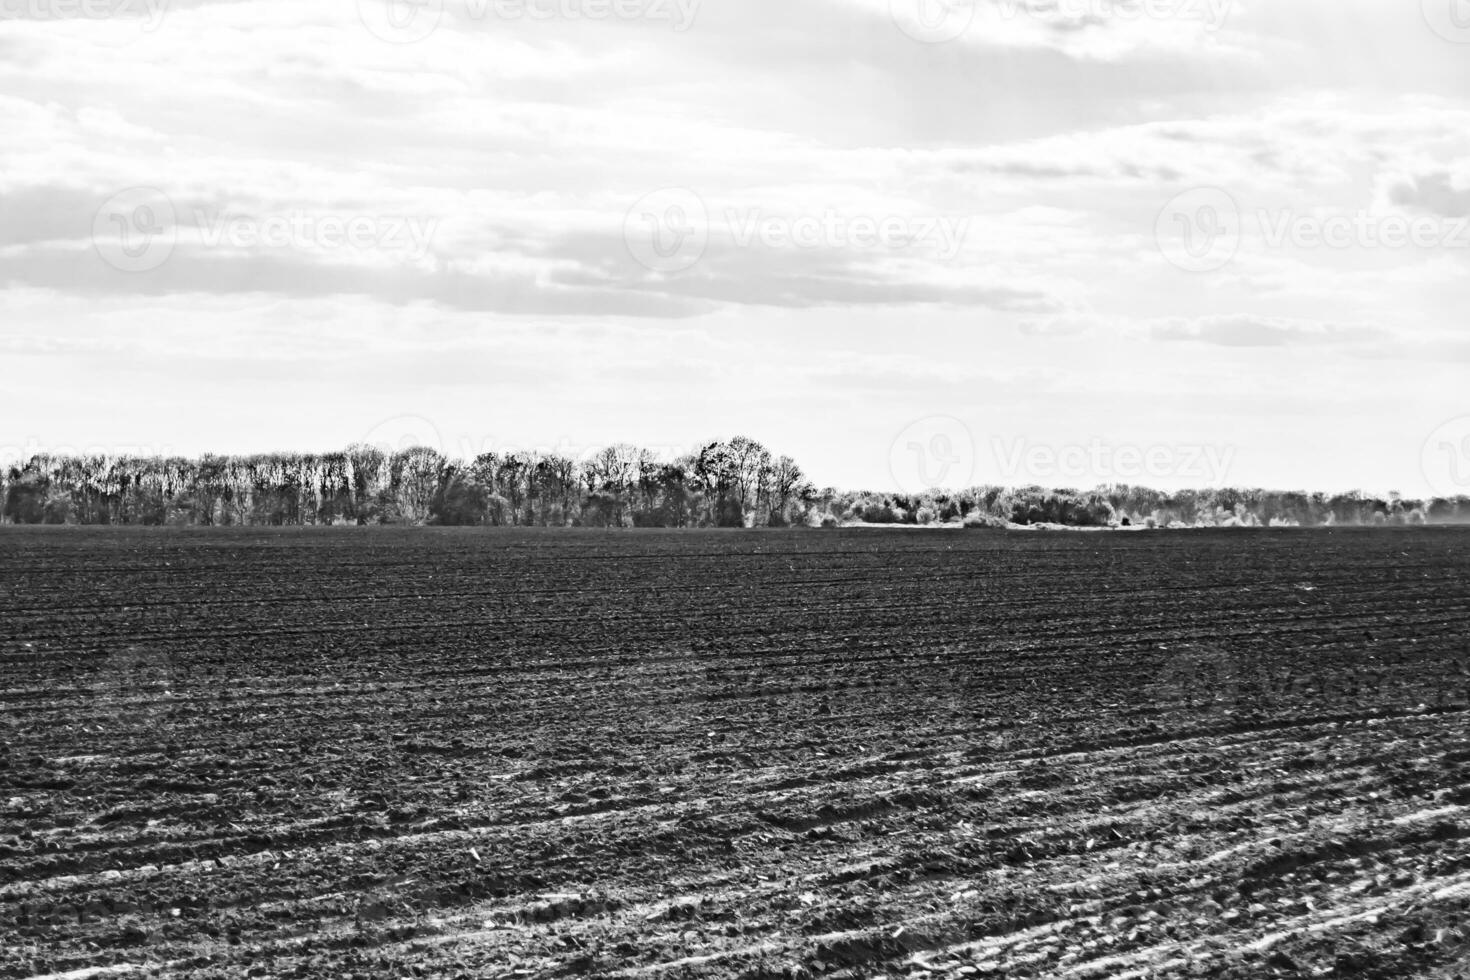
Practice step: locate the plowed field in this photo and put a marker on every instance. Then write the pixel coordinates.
(375, 752)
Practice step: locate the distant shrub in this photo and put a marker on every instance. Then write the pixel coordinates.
(924, 515)
(873, 511)
(981, 519)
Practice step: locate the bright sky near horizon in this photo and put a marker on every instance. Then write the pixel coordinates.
(1173, 242)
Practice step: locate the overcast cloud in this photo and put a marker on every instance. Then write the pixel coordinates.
(264, 224)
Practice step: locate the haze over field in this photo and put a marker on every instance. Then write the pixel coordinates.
(277, 224)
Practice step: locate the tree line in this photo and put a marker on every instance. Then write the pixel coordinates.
(1121, 505)
(726, 483)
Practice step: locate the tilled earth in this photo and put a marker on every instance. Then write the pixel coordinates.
(378, 752)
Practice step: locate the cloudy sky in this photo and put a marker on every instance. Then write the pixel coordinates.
(1059, 241)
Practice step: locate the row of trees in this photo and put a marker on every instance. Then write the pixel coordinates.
(728, 483)
(1118, 505)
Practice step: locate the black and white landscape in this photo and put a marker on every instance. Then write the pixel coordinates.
(734, 488)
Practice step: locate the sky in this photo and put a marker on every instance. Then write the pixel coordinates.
(910, 243)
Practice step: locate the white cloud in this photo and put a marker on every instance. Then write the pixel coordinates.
(1053, 132)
